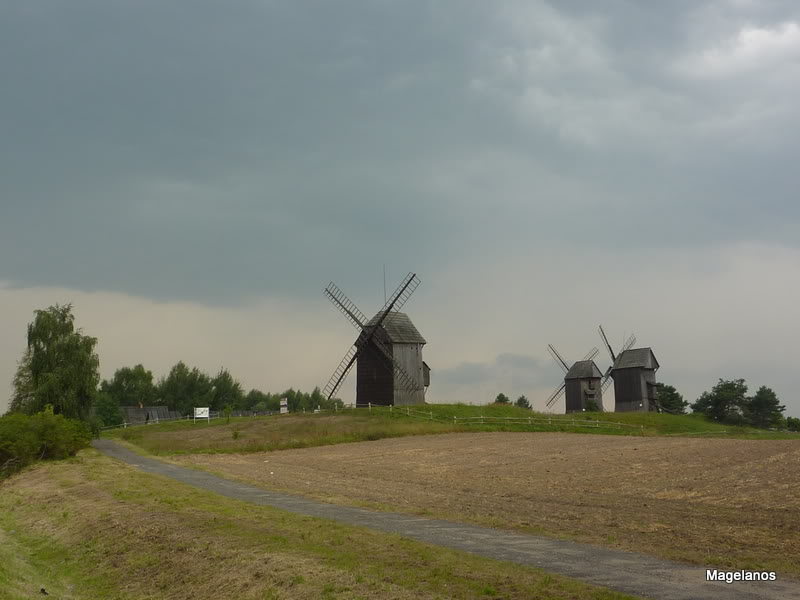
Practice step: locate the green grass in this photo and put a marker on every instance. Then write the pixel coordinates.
(279, 432)
(119, 533)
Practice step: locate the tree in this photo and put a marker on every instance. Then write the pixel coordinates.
(522, 402)
(227, 392)
(131, 386)
(764, 410)
(257, 400)
(502, 399)
(725, 403)
(670, 399)
(792, 423)
(59, 366)
(22, 384)
(183, 389)
(107, 409)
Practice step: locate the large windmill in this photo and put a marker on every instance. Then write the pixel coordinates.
(581, 383)
(388, 351)
(634, 373)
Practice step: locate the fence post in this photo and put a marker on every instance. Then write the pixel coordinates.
(369, 406)
(408, 411)
(481, 419)
(529, 421)
(391, 406)
(455, 420)
(431, 415)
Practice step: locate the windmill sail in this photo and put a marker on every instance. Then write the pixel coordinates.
(556, 395)
(557, 357)
(346, 306)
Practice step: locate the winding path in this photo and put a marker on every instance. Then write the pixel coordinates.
(627, 572)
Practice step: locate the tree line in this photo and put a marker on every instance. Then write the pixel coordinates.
(184, 388)
(59, 369)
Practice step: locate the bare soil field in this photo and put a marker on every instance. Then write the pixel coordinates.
(724, 502)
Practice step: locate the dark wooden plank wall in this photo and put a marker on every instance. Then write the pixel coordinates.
(629, 390)
(374, 379)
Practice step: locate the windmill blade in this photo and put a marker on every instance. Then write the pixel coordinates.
(400, 296)
(401, 375)
(606, 382)
(605, 341)
(346, 306)
(556, 395)
(591, 354)
(341, 372)
(557, 357)
(629, 343)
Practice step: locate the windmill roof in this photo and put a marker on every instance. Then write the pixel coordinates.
(583, 369)
(642, 358)
(399, 328)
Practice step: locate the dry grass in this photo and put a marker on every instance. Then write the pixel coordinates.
(94, 528)
(726, 502)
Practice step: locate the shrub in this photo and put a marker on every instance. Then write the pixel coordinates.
(25, 439)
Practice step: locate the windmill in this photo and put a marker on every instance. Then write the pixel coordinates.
(633, 372)
(387, 351)
(581, 383)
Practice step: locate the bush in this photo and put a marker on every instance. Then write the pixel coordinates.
(25, 439)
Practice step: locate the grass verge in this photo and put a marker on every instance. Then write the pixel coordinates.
(91, 527)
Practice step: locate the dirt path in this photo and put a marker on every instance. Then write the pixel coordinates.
(622, 571)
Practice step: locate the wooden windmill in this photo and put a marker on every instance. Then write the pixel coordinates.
(387, 351)
(581, 383)
(634, 373)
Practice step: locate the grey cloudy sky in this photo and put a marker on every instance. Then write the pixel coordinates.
(191, 175)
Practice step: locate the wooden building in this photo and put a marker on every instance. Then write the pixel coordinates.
(147, 414)
(376, 380)
(634, 374)
(583, 388)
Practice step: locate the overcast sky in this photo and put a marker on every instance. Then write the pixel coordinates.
(192, 174)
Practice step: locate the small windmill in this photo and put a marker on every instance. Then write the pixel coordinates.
(634, 373)
(388, 351)
(581, 382)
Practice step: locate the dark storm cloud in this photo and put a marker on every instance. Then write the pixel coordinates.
(211, 152)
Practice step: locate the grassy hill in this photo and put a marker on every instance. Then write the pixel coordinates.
(259, 434)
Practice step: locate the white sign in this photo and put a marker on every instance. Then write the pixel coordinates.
(284, 406)
(202, 413)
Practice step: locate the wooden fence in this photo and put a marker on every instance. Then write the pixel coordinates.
(415, 413)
